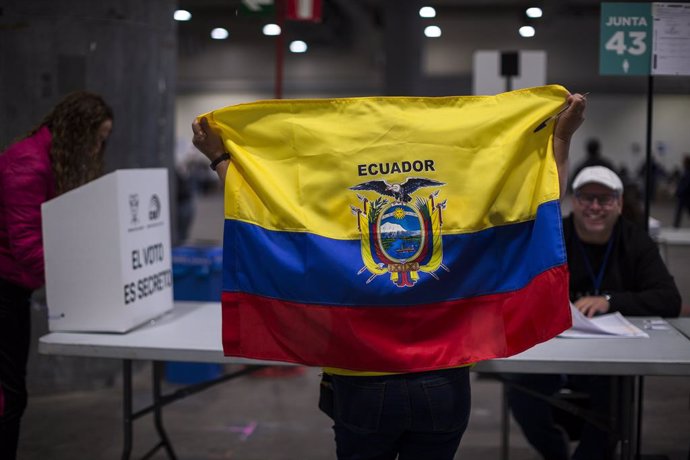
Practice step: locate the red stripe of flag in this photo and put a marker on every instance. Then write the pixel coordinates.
(397, 339)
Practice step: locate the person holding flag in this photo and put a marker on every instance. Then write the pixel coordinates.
(392, 401)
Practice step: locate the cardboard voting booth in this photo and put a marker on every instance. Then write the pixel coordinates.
(107, 252)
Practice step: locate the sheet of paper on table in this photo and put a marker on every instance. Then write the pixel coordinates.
(610, 325)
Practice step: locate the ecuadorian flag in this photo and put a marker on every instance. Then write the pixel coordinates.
(392, 234)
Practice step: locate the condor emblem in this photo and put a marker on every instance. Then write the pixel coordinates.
(401, 236)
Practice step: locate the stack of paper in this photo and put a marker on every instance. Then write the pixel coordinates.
(611, 325)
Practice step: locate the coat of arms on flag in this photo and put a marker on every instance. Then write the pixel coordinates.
(400, 236)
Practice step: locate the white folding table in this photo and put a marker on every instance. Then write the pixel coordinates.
(192, 332)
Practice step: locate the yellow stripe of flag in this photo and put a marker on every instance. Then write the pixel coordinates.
(294, 161)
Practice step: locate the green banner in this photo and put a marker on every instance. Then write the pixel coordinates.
(257, 8)
(625, 40)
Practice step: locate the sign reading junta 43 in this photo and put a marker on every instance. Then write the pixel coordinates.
(644, 38)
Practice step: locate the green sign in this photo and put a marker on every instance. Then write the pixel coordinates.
(625, 39)
(257, 8)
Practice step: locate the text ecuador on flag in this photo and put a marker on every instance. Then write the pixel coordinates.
(392, 233)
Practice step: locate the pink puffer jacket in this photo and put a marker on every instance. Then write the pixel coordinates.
(26, 181)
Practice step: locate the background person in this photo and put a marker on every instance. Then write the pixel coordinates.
(593, 157)
(683, 192)
(657, 174)
(438, 398)
(63, 152)
(614, 266)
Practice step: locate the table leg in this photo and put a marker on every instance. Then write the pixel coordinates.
(159, 401)
(127, 408)
(505, 423)
(625, 414)
(128, 416)
(158, 408)
(638, 427)
(630, 418)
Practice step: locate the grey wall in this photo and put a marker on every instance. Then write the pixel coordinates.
(125, 50)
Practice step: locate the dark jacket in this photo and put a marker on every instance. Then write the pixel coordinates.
(635, 277)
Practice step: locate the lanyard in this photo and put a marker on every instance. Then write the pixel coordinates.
(596, 281)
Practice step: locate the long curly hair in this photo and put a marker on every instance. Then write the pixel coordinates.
(73, 124)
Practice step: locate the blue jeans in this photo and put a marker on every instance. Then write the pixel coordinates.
(535, 415)
(412, 416)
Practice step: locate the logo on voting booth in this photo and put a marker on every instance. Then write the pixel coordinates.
(154, 207)
(113, 273)
(134, 208)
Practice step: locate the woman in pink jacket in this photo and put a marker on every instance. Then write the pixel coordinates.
(63, 152)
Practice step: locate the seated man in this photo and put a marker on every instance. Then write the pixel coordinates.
(614, 266)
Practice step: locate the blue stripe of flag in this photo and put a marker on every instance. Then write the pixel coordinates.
(307, 268)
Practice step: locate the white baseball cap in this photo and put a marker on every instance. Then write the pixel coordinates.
(598, 175)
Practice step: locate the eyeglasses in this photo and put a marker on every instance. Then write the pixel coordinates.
(605, 199)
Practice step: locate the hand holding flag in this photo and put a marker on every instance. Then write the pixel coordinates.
(567, 122)
(209, 142)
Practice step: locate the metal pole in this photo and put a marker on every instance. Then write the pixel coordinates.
(648, 160)
(280, 48)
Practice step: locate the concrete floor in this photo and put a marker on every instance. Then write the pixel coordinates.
(75, 408)
(260, 418)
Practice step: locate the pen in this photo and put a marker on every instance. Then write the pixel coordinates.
(543, 124)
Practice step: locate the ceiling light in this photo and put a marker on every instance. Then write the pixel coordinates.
(427, 12)
(533, 12)
(271, 30)
(432, 31)
(298, 46)
(182, 15)
(527, 31)
(219, 33)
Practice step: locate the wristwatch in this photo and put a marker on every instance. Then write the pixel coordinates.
(225, 156)
(608, 298)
